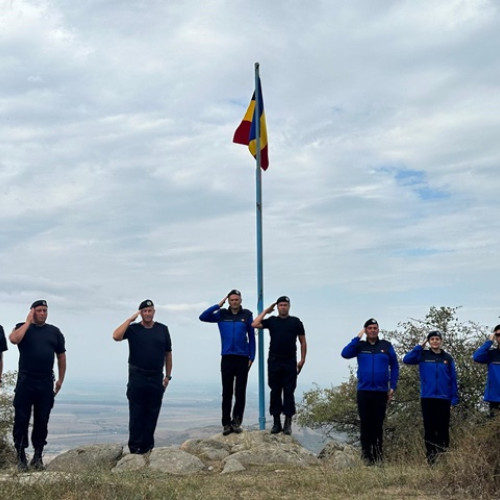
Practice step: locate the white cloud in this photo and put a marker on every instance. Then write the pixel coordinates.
(119, 180)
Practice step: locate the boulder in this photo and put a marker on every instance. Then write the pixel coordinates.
(232, 465)
(339, 456)
(169, 460)
(85, 458)
(207, 449)
(263, 448)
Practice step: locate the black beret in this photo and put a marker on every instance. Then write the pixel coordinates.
(234, 292)
(39, 303)
(435, 333)
(146, 303)
(283, 298)
(371, 321)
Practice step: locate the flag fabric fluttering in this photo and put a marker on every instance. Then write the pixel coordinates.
(246, 133)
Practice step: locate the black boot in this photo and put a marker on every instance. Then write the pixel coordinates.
(236, 426)
(37, 462)
(287, 427)
(22, 462)
(277, 425)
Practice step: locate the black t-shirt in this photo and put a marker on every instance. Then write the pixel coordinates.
(147, 346)
(3, 341)
(283, 333)
(37, 349)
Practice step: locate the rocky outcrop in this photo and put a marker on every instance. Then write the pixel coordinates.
(219, 454)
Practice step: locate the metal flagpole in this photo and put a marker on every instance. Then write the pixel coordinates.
(260, 274)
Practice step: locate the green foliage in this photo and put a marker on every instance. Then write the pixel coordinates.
(331, 410)
(334, 409)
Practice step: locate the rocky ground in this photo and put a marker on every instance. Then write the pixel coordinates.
(217, 454)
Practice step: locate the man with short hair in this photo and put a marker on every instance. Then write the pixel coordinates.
(150, 350)
(489, 354)
(282, 365)
(38, 343)
(237, 355)
(378, 372)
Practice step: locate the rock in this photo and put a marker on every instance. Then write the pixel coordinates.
(339, 456)
(232, 465)
(206, 449)
(263, 448)
(99, 456)
(168, 460)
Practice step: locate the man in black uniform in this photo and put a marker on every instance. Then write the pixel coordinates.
(38, 343)
(3, 347)
(282, 366)
(150, 349)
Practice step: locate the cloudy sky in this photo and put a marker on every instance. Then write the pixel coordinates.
(119, 180)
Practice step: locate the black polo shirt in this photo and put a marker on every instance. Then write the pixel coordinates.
(148, 346)
(283, 333)
(37, 348)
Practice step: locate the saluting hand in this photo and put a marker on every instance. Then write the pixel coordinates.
(29, 318)
(134, 316)
(270, 309)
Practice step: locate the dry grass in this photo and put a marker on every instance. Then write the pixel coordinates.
(365, 483)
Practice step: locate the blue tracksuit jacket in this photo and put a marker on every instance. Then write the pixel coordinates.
(491, 356)
(236, 333)
(438, 376)
(374, 363)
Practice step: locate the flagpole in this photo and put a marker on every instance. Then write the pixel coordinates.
(260, 274)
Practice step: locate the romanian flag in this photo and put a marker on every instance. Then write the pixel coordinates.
(246, 132)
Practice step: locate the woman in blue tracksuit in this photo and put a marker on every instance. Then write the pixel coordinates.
(490, 355)
(438, 392)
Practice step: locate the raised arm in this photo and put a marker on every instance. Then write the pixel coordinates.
(18, 333)
(413, 357)
(481, 355)
(257, 322)
(350, 350)
(120, 331)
